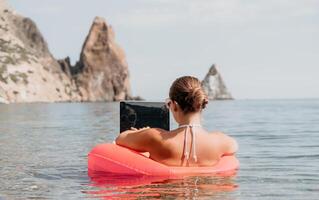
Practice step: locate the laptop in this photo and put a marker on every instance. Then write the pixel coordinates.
(139, 114)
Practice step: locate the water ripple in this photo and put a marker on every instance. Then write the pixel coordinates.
(44, 152)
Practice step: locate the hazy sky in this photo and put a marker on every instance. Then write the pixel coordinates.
(264, 48)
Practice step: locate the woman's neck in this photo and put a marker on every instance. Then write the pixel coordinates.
(192, 118)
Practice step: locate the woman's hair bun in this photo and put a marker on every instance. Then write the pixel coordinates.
(189, 94)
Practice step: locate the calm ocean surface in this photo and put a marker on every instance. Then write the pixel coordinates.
(43, 152)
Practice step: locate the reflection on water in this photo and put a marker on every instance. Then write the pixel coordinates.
(43, 152)
(115, 186)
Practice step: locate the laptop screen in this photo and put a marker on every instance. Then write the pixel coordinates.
(139, 114)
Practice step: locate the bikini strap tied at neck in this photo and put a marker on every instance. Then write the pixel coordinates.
(186, 153)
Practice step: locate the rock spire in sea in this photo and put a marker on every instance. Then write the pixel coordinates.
(101, 73)
(214, 85)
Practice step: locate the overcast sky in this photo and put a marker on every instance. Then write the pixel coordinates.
(264, 49)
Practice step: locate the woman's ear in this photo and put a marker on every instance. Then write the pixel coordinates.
(175, 106)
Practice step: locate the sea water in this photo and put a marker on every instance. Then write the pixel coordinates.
(43, 152)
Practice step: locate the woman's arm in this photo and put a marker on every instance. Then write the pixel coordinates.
(228, 144)
(231, 146)
(139, 139)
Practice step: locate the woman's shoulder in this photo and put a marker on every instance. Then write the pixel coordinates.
(156, 133)
(157, 130)
(222, 135)
(229, 143)
(219, 134)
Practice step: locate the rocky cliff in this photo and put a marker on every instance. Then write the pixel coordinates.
(214, 85)
(29, 72)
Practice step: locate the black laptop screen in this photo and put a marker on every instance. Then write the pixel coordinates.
(141, 114)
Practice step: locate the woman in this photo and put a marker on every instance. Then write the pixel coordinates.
(188, 145)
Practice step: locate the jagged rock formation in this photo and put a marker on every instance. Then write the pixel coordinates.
(29, 73)
(101, 74)
(214, 85)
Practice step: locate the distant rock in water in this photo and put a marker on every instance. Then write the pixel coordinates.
(29, 72)
(214, 85)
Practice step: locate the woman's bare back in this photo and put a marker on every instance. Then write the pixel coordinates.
(170, 148)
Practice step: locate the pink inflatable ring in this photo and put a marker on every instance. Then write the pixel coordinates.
(111, 158)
